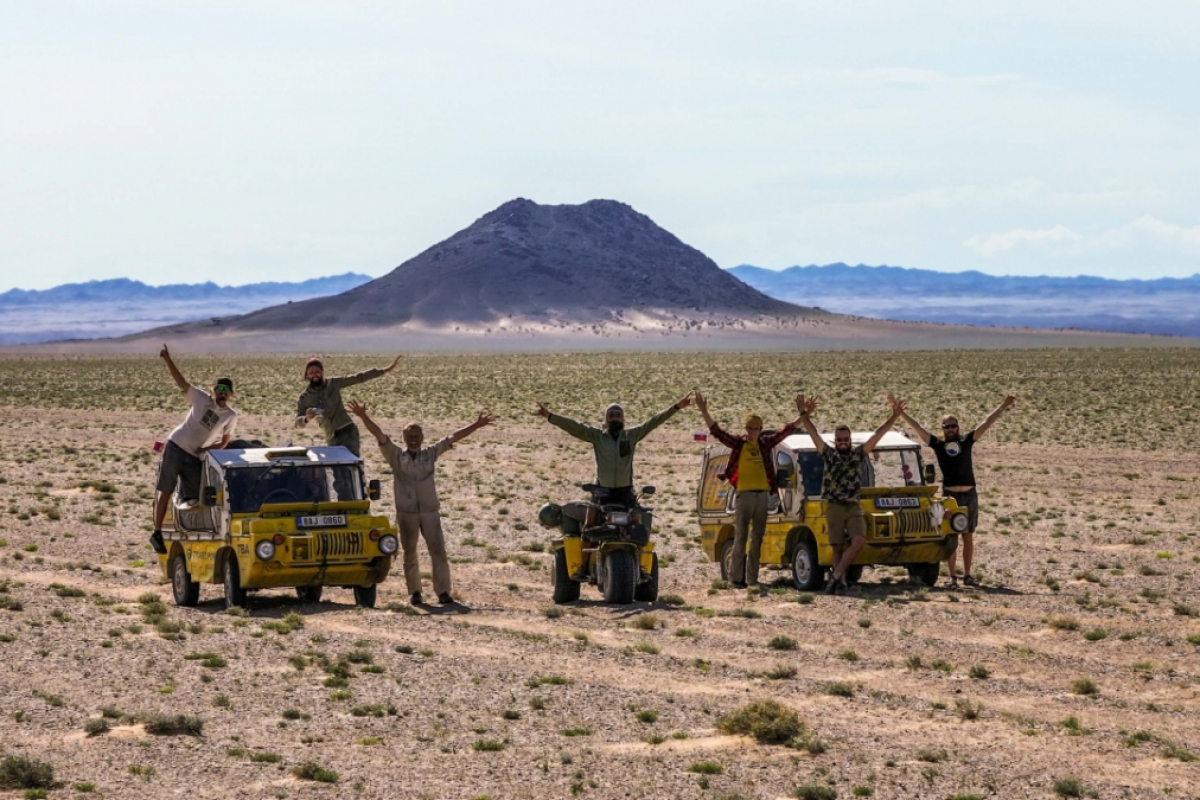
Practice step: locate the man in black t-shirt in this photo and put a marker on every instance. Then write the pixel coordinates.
(953, 451)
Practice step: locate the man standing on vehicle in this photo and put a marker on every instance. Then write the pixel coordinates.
(614, 445)
(750, 470)
(322, 401)
(209, 424)
(841, 486)
(417, 508)
(953, 451)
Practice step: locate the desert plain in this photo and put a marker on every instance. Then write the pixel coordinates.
(1073, 672)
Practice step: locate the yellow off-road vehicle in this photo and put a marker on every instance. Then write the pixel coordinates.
(908, 524)
(279, 517)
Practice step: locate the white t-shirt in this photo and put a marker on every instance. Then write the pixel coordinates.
(206, 424)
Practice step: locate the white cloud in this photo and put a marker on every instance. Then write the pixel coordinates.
(1059, 240)
(1062, 241)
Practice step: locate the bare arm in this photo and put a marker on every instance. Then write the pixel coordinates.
(995, 415)
(921, 433)
(176, 375)
(462, 433)
(881, 430)
(806, 406)
(702, 407)
(359, 410)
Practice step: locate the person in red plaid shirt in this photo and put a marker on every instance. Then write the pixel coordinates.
(751, 472)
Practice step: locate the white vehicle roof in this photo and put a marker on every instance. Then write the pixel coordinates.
(892, 440)
(261, 456)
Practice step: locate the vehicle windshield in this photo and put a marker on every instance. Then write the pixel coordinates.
(887, 468)
(252, 487)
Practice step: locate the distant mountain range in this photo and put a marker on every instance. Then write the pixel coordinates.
(122, 306)
(531, 266)
(1165, 306)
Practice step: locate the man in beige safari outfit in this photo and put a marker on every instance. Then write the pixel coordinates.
(417, 507)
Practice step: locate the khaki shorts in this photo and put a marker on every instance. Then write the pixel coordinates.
(846, 522)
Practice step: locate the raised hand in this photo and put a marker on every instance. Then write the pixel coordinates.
(164, 354)
(392, 365)
(806, 405)
(701, 403)
(357, 409)
(898, 406)
(485, 419)
(542, 411)
(1008, 401)
(686, 401)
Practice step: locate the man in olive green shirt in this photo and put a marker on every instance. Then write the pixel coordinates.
(322, 401)
(614, 444)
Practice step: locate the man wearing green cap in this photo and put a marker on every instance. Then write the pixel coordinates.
(209, 424)
(751, 472)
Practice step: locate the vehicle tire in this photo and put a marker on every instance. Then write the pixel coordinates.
(807, 573)
(565, 589)
(647, 590)
(925, 573)
(309, 594)
(235, 595)
(365, 596)
(186, 590)
(727, 560)
(620, 577)
(854, 574)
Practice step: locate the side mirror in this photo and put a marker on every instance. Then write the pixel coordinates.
(648, 490)
(210, 496)
(373, 489)
(928, 474)
(785, 474)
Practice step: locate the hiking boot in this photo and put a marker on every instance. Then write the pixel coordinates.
(445, 599)
(832, 586)
(952, 583)
(968, 580)
(738, 584)
(416, 599)
(156, 542)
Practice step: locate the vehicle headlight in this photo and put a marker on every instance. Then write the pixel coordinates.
(265, 550)
(958, 522)
(388, 544)
(620, 518)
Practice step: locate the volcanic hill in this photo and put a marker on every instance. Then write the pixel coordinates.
(524, 263)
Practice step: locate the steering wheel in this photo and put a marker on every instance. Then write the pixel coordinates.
(290, 495)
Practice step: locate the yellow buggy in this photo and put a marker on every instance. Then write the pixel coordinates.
(279, 517)
(908, 524)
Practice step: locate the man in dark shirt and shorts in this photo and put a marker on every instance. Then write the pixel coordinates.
(841, 486)
(953, 451)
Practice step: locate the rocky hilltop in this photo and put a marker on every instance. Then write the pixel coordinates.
(531, 264)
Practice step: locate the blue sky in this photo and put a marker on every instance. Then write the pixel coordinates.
(281, 140)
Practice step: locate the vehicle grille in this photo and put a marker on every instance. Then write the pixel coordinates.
(914, 521)
(331, 544)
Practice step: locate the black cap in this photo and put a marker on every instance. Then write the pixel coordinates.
(224, 382)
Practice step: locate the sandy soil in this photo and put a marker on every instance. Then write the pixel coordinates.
(1074, 541)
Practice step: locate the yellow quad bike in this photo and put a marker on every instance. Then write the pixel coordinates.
(279, 517)
(908, 523)
(606, 544)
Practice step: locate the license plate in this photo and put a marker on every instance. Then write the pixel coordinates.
(322, 521)
(897, 502)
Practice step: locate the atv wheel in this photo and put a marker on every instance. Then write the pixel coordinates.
(186, 590)
(235, 595)
(807, 573)
(647, 590)
(365, 596)
(309, 594)
(620, 577)
(565, 589)
(924, 573)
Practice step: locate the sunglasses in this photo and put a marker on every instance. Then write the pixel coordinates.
(220, 387)
(950, 427)
(840, 439)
